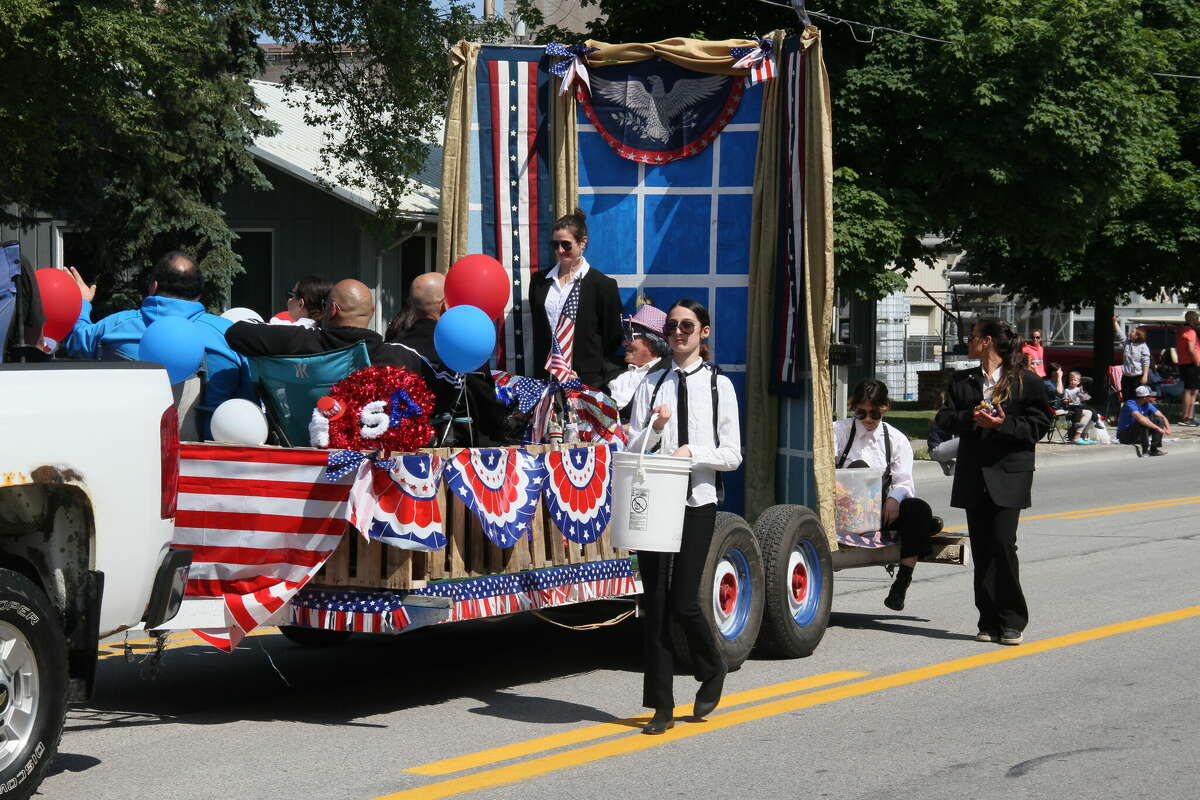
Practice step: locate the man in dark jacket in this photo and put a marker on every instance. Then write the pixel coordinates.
(414, 329)
(347, 315)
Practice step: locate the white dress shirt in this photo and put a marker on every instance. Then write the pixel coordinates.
(990, 381)
(622, 387)
(558, 294)
(870, 447)
(707, 457)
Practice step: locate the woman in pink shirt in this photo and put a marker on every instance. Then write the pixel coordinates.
(1033, 349)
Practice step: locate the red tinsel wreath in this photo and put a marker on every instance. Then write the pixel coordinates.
(380, 384)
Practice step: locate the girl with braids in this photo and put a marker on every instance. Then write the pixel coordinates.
(999, 412)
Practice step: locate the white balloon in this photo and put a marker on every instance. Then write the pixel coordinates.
(239, 421)
(242, 315)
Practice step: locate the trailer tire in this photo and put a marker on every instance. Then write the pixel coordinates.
(33, 684)
(313, 637)
(731, 592)
(799, 584)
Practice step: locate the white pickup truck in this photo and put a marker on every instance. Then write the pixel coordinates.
(89, 465)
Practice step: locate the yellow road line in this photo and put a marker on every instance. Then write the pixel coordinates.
(544, 743)
(114, 649)
(533, 768)
(1083, 513)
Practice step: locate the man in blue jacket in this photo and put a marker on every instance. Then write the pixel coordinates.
(175, 288)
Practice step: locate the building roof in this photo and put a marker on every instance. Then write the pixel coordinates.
(296, 150)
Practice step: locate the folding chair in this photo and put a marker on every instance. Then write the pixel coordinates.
(1059, 426)
(289, 387)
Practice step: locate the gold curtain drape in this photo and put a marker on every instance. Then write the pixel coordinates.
(702, 56)
(564, 149)
(456, 156)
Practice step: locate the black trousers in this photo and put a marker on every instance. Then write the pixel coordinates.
(998, 595)
(1129, 384)
(1136, 433)
(912, 523)
(671, 589)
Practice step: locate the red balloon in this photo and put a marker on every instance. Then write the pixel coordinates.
(478, 280)
(61, 302)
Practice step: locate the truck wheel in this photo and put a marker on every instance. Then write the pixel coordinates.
(731, 592)
(312, 637)
(33, 684)
(799, 580)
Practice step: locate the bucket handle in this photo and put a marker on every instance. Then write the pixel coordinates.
(641, 467)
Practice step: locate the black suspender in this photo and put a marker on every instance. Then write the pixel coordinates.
(715, 370)
(887, 450)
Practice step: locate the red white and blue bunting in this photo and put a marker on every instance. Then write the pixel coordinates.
(395, 501)
(500, 487)
(578, 491)
(361, 612)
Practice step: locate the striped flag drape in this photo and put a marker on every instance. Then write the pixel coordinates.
(513, 96)
(788, 373)
(260, 522)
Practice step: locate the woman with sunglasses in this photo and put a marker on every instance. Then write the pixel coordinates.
(999, 412)
(688, 426)
(305, 302)
(865, 440)
(572, 286)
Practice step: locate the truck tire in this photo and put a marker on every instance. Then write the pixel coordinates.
(313, 637)
(731, 592)
(33, 684)
(799, 586)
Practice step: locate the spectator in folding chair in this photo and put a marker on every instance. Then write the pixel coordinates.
(1075, 397)
(1137, 425)
(1053, 381)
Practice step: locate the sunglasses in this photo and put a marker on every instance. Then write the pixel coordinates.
(561, 244)
(291, 295)
(862, 413)
(1036, 338)
(687, 326)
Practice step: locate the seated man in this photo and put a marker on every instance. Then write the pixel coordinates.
(412, 330)
(348, 313)
(175, 288)
(1136, 424)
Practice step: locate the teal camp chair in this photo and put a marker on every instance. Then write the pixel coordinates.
(290, 386)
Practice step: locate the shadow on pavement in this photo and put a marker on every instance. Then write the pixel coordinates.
(369, 675)
(887, 623)
(71, 762)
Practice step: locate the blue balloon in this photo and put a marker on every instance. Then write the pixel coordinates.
(176, 343)
(464, 338)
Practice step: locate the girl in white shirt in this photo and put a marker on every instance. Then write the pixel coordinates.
(712, 439)
(865, 440)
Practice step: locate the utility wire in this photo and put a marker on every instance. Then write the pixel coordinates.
(1176, 75)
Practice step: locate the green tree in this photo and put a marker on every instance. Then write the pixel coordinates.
(384, 103)
(130, 119)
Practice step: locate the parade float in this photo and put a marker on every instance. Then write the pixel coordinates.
(705, 170)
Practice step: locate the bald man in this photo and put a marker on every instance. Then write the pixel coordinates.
(413, 329)
(347, 315)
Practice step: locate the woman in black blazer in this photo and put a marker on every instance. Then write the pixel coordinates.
(598, 334)
(999, 412)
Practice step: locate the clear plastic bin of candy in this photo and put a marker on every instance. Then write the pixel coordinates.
(858, 500)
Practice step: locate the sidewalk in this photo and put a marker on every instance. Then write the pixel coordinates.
(1182, 439)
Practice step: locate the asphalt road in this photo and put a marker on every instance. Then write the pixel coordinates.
(1101, 702)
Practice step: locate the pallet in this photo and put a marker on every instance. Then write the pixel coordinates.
(362, 565)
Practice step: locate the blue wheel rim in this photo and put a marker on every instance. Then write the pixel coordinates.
(803, 582)
(732, 593)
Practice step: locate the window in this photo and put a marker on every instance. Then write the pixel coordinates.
(252, 289)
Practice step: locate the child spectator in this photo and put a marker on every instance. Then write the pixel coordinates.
(1074, 397)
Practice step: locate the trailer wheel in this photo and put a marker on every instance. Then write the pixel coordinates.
(799, 580)
(731, 592)
(33, 684)
(313, 637)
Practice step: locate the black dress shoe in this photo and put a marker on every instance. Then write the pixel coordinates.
(711, 688)
(660, 723)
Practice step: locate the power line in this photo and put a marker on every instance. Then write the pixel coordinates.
(1176, 75)
(849, 23)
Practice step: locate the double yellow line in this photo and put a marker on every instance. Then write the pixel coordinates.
(626, 741)
(1104, 511)
(174, 641)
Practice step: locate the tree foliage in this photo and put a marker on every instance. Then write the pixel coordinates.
(129, 119)
(1036, 137)
(383, 106)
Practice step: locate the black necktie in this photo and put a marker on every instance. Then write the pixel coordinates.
(681, 407)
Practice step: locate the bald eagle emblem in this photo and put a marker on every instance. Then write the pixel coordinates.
(652, 112)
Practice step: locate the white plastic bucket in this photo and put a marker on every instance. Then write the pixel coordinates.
(649, 494)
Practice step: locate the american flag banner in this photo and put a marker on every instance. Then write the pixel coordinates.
(756, 59)
(495, 595)
(595, 412)
(790, 350)
(260, 522)
(361, 612)
(513, 96)
(578, 491)
(396, 503)
(562, 346)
